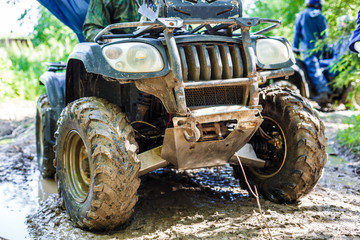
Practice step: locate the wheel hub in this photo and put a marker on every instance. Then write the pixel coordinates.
(270, 145)
(77, 167)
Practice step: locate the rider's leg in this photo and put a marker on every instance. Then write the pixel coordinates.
(316, 75)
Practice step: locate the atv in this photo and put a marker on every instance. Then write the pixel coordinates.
(180, 91)
(300, 83)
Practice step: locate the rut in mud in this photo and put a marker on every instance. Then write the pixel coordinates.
(204, 203)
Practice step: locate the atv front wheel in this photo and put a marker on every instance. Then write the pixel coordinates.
(292, 142)
(96, 162)
(286, 84)
(44, 147)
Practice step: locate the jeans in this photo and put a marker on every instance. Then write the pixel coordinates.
(315, 74)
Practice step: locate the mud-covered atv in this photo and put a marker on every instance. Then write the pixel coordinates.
(166, 95)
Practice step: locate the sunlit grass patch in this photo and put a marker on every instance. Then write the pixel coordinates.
(350, 137)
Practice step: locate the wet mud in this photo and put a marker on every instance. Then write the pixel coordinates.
(197, 204)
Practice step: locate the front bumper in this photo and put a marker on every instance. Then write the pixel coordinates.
(187, 152)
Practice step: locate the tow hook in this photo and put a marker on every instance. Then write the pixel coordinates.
(192, 133)
(190, 130)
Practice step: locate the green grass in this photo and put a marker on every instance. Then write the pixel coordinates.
(350, 137)
(21, 66)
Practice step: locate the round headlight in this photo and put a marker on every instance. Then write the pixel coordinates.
(271, 51)
(133, 57)
(113, 52)
(140, 57)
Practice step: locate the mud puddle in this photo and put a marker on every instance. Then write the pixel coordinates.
(199, 204)
(21, 188)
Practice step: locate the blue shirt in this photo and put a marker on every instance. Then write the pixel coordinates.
(310, 25)
(356, 34)
(339, 49)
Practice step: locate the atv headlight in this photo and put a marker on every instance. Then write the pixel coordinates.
(271, 51)
(133, 57)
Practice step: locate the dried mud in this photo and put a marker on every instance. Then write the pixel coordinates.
(199, 204)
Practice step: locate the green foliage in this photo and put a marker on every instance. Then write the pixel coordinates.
(286, 11)
(50, 31)
(282, 10)
(21, 65)
(351, 137)
(20, 71)
(349, 64)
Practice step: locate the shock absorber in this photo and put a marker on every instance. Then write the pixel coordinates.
(259, 145)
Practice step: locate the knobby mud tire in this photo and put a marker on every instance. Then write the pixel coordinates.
(111, 193)
(286, 84)
(306, 148)
(44, 149)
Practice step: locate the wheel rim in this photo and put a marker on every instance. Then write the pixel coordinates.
(276, 148)
(77, 167)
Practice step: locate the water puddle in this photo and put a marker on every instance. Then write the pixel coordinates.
(334, 177)
(333, 158)
(45, 188)
(18, 200)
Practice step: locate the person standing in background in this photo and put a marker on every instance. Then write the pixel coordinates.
(310, 26)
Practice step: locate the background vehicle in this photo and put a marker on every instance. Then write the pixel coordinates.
(301, 83)
(165, 95)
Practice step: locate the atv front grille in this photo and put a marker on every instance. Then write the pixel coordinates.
(210, 61)
(203, 62)
(211, 96)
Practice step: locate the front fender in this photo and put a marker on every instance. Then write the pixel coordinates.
(299, 79)
(55, 88)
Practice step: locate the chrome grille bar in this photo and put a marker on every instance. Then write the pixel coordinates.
(237, 63)
(193, 62)
(227, 61)
(216, 65)
(210, 61)
(205, 64)
(184, 65)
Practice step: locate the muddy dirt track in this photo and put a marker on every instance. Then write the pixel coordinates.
(201, 204)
